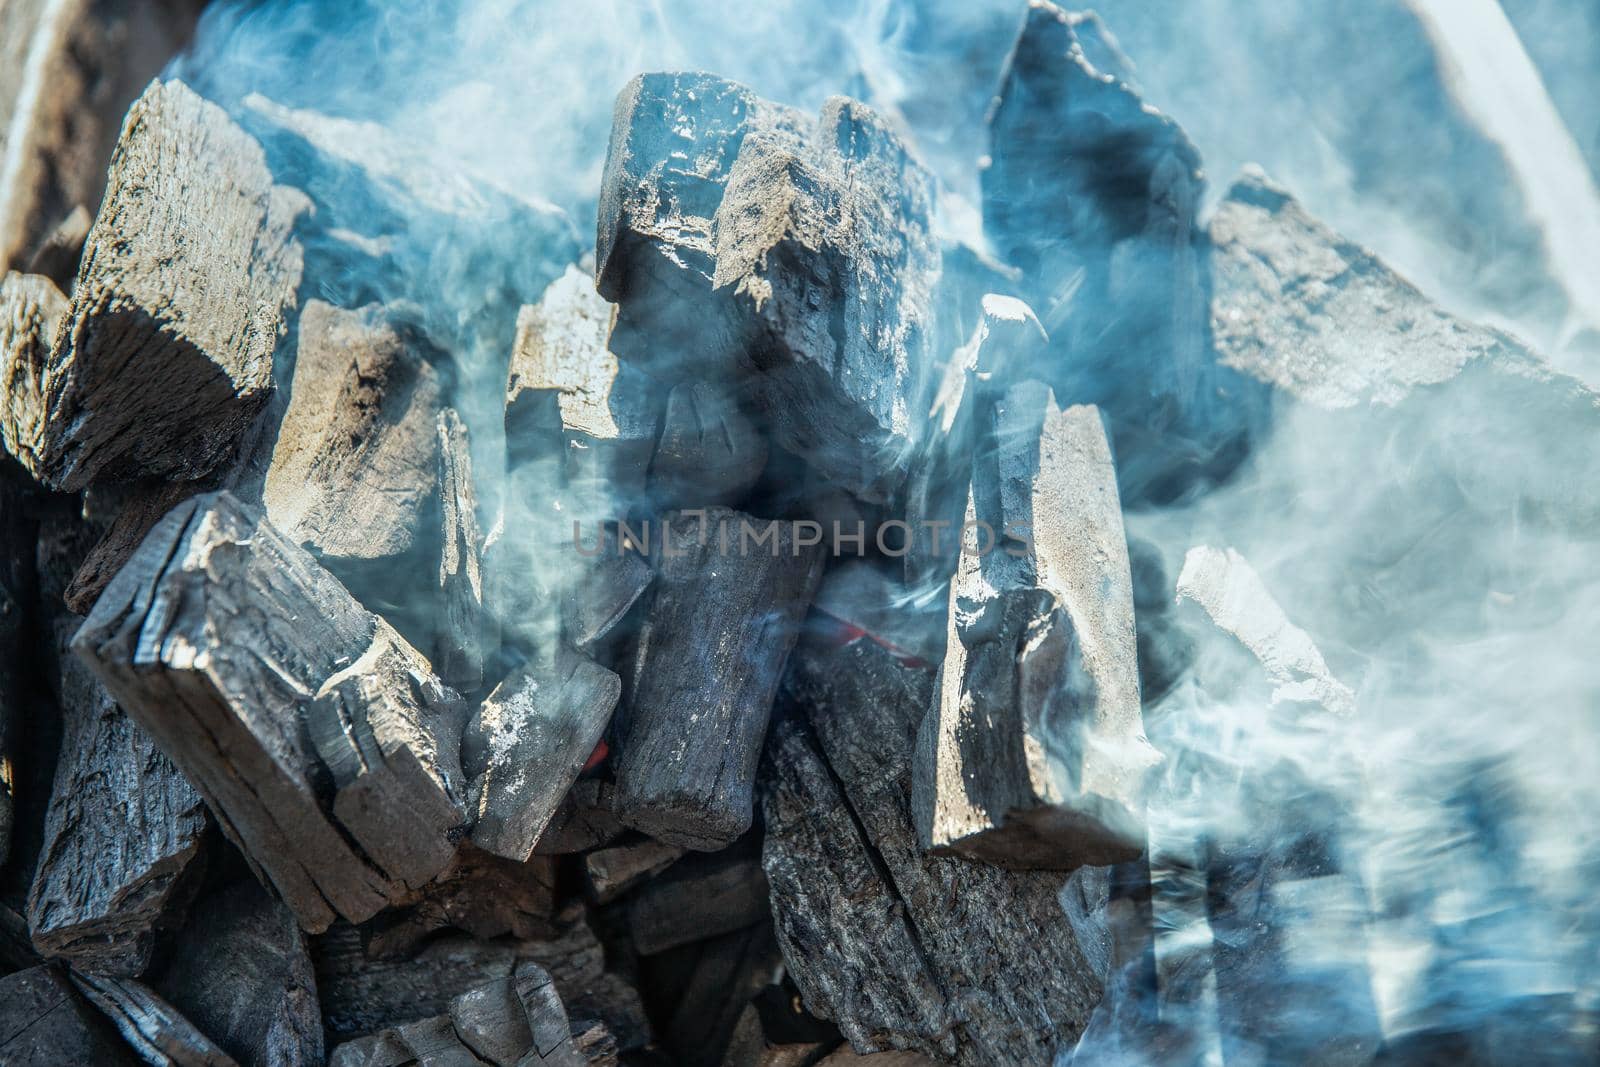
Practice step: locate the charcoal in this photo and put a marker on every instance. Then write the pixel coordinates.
(698, 897)
(1034, 752)
(356, 462)
(45, 1022)
(726, 973)
(196, 296)
(775, 1031)
(567, 390)
(611, 583)
(962, 961)
(737, 235)
(152, 1028)
(709, 660)
(362, 995)
(125, 836)
(611, 872)
(296, 734)
(31, 308)
(857, 599)
(463, 641)
(710, 451)
(586, 819)
(70, 71)
(848, 1057)
(527, 743)
(56, 257)
(146, 502)
(480, 893)
(240, 972)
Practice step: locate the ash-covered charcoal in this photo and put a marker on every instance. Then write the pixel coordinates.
(698, 897)
(527, 743)
(709, 659)
(710, 451)
(1034, 752)
(300, 717)
(239, 970)
(154, 1029)
(567, 391)
(124, 835)
(962, 961)
(1092, 194)
(165, 356)
(738, 236)
(70, 71)
(31, 307)
(610, 872)
(45, 1022)
(465, 637)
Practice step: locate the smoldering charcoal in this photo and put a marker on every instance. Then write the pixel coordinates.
(742, 535)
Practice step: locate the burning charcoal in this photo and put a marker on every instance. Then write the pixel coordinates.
(527, 743)
(1092, 194)
(709, 659)
(710, 451)
(362, 995)
(31, 308)
(71, 70)
(1034, 753)
(738, 234)
(586, 819)
(1236, 601)
(152, 1028)
(856, 599)
(195, 296)
(611, 872)
(713, 991)
(612, 581)
(959, 960)
(239, 971)
(44, 1022)
(462, 642)
(300, 717)
(698, 897)
(124, 836)
(481, 893)
(566, 389)
(356, 461)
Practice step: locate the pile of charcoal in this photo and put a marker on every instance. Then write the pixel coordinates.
(759, 681)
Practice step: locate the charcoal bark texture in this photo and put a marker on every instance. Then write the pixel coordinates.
(68, 71)
(1092, 194)
(45, 1022)
(699, 897)
(154, 1029)
(239, 970)
(738, 235)
(710, 451)
(31, 308)
(1034, 752)
(465, 637)
(125, 836)
(708, 663)
(187, 275)
(962, 961)
(526, 745)
(611, 872)
(480, 893)
(355, 466)
(327, 750)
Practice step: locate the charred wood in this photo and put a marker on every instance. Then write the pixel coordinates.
(45, 1022)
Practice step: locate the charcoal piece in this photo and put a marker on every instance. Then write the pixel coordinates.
(480, 893)
(1034, 753)
(68, 71)
(356, 462)
(144, 506)
(125, 836)
(709, 660)
(1092, 194)
(196, 296)
(754, 1043)
(857, 599)
(300, 717)
(57, 256)
(611, 582)
(587, 819)
(239, 970)
(698, 897)
(45, 1022)
(958, 960)
(611, 872)
(710, 452)
(462, 643)
(152, 1028)
(735, 234)
(1236, 601)
(362, 995)
(726, 972)
(31, 308)
(528, 742)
